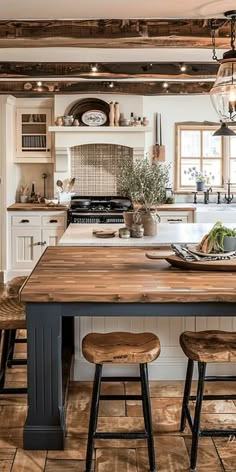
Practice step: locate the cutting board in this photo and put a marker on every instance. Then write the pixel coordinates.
(226, 265)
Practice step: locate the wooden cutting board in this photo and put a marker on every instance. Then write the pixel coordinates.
(226, 265)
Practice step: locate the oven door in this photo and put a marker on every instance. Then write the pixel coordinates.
(76, 217)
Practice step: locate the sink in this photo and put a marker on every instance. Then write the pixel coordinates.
(226, 213)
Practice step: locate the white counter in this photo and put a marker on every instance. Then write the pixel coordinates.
(82, 235)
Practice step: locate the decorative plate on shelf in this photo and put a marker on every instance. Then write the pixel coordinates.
(94, 118)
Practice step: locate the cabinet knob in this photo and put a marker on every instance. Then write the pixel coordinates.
(43, 243)
(24, 221)
(53, 221)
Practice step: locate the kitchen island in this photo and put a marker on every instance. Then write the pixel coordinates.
(82, 235)
(101, 282)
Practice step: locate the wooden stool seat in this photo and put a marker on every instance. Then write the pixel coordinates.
(209, 346)
(12, 314)
(14, 285)
(120, 347)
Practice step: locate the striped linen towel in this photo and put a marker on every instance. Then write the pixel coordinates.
(182, 251)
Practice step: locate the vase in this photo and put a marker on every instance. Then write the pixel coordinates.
(111, 114)
(23, 198)
(128, 218)
(229, 243)
(116, 113)
(150, 220)
(200, 186)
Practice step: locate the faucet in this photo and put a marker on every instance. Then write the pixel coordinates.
(229, 197)
(206, 195)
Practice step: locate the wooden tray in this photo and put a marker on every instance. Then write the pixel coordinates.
(104, 233)
(228, 265)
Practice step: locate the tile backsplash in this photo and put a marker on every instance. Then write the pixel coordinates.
(96, 166)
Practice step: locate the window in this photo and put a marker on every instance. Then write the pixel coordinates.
(214, 156)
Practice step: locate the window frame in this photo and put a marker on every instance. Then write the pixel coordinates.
(225, 159)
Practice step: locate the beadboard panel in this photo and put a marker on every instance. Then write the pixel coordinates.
(171, 364)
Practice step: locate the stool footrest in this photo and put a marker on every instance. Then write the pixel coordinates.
(16, 362)
(217, 432)
(133, 435)
(7, 391)
(120, 397)
(221, 378)
(215, 397)
(120, 379)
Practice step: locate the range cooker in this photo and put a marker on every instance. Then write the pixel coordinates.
(94, 209)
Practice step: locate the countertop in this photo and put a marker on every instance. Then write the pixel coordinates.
(120, 275)
(36, 207)
(82, 235)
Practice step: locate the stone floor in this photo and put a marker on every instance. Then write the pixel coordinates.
(172, 448)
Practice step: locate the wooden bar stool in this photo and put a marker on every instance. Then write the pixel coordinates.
(120, 348)
(12, 317)
(205, 347)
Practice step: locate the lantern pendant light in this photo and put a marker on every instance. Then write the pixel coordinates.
(223, 92)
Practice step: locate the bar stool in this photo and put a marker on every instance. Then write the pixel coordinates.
(120, 348)
(205, 347)
(12, 318)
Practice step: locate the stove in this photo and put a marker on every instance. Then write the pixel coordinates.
(93, 209)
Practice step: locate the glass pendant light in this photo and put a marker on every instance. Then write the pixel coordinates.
(223, 92)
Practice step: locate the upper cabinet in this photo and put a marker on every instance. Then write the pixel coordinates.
(33, 140)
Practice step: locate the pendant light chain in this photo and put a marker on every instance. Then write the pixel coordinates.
(232, 34)
(213, 39)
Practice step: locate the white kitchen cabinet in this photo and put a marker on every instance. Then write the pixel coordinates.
(174, 217)
(33, 140)
(31, 233)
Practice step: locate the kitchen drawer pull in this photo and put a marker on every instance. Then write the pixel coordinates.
(24, 221)
(53, 221)
(174, 219)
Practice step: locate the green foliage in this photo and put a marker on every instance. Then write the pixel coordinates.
(144, 182)
(216, 237)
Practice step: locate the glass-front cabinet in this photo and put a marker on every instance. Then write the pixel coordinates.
(33, 140)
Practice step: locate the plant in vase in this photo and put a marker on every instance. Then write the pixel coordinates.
(24, 194)
(145, 184)
(201, 178)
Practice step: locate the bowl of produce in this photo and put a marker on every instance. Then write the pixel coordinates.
(219, 239)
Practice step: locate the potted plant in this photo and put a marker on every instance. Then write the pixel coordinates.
(219, 239)
(145, 184)
(201, 178)
(24, 194)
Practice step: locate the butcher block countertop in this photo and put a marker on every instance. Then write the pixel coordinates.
(121, 275)
(35, 207)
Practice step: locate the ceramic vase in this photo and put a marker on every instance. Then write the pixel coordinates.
(116, 113)
(200, 186)
(150, 220)
(112, 114)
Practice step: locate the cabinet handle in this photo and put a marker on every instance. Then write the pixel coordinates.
(24, 221)
(53, 221)
(174, 219)
(43, 243)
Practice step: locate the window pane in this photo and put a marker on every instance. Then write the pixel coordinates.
(211, 145)
(187, 176)
(233, 170)
(190, 143)
(232, 147)
(213, 170)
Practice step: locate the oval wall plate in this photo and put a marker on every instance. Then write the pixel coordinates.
(94, 118)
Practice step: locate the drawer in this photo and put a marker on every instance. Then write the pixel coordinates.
(174, 219)
(26, 220)
(53, 221)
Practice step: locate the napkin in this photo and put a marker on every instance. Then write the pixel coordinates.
(182, 251)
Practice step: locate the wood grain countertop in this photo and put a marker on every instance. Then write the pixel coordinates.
(122, 275)
(35, 207)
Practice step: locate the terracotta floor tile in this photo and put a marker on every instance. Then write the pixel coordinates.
(12, 418)
(226, 449)
(164, 388)
(64, 466)
(220, 421)
(7, 454)
(207, 458)
(5, 466)
(223, 406)
(171, 455)
(75, 448)
(33, 461)
(116, 460)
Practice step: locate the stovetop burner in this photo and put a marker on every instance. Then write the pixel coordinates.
(101, 204)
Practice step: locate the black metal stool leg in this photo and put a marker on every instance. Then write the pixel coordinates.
(187, 391)
(197, 415)
(147, 415)
(11, 347)
(93, 416)
(5, 349)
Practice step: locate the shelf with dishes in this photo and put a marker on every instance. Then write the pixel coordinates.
(100, 129)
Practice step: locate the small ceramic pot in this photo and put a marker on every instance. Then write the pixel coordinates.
(23, 198)
(200, 186)
(229, 243)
